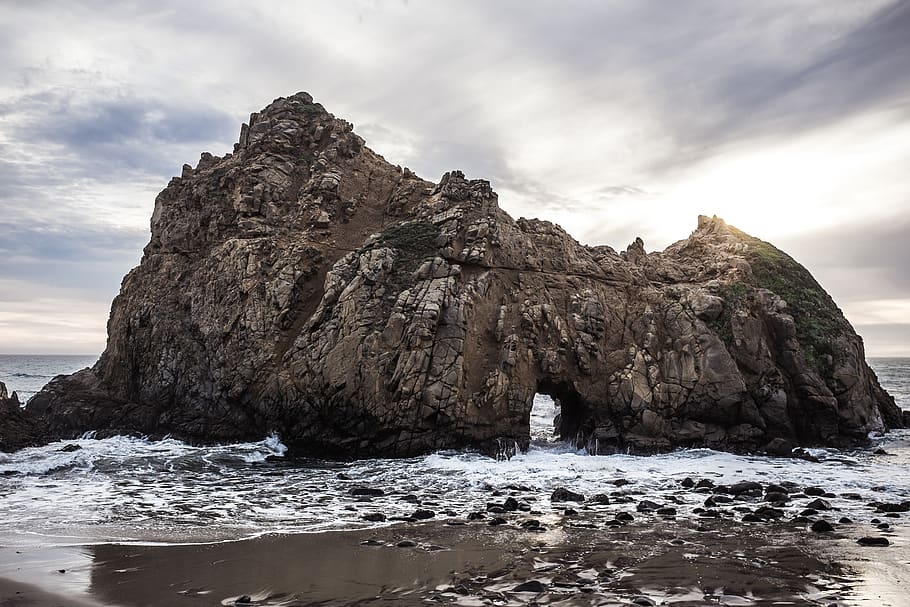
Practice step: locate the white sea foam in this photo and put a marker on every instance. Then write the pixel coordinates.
(125, 488)
(130, 489)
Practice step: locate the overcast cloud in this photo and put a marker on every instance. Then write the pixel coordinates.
(615, 119)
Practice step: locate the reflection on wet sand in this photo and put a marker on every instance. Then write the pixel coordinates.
(473, 565)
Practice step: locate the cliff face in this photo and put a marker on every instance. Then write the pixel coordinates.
(305, 286)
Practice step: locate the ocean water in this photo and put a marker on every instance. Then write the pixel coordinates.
(133, 490)
(27, 374)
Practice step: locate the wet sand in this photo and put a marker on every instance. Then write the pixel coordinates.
(682, 563)
(877, 576)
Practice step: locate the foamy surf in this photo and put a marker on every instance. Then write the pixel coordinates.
(124, 489)
(128, 489)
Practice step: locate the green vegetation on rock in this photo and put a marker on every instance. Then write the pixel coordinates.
(414, 243)
(818, 319)
(734, 294)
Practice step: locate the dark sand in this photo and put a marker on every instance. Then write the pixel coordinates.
(682, 563)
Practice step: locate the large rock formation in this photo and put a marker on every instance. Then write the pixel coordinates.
(305, 286)
(17, 429)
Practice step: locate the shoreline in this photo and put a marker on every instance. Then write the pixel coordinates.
(566, 561)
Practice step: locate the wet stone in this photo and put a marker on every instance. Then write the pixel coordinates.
(497, 521)
(366, 492)
(821, 526)
(776, 496)
(406, 544)
(647, 506)
(769, 512)
(873, 541)
(746, 487)
(714, 500)
(534, 586)
(564, 495)
(423, 514)
(819, 504)
(374, 517)
(814, 491)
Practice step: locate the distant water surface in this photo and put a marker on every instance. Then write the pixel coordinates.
(894, 376)
(27, 373)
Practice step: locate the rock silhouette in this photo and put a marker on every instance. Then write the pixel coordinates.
(305, 286)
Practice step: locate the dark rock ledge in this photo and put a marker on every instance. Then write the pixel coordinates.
(305, 286)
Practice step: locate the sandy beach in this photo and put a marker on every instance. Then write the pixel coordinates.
(682, 563)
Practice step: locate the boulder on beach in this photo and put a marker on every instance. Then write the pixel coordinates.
(303, 285)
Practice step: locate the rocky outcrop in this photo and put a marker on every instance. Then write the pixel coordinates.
(17, 429)
(303, 285)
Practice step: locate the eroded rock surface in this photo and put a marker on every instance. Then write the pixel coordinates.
(305, 286)
(17, 429)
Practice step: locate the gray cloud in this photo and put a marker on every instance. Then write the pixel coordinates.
(857, 261)
(80, 256)
(110, 130)
(714, 73)
(861, 70)
(468, 86)
(889, 339)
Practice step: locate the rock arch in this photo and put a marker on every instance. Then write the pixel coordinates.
(304, 285)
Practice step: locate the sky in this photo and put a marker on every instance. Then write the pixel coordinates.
(615, 119)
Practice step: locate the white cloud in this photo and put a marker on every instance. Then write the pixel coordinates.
(61, 322)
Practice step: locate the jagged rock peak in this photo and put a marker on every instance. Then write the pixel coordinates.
(305, 286)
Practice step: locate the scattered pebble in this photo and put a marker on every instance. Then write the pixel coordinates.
(534, 586)
(873, 541)
(564, 495)
(821, 526)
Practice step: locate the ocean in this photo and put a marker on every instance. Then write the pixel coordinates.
(127, 489)
(28, 373)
